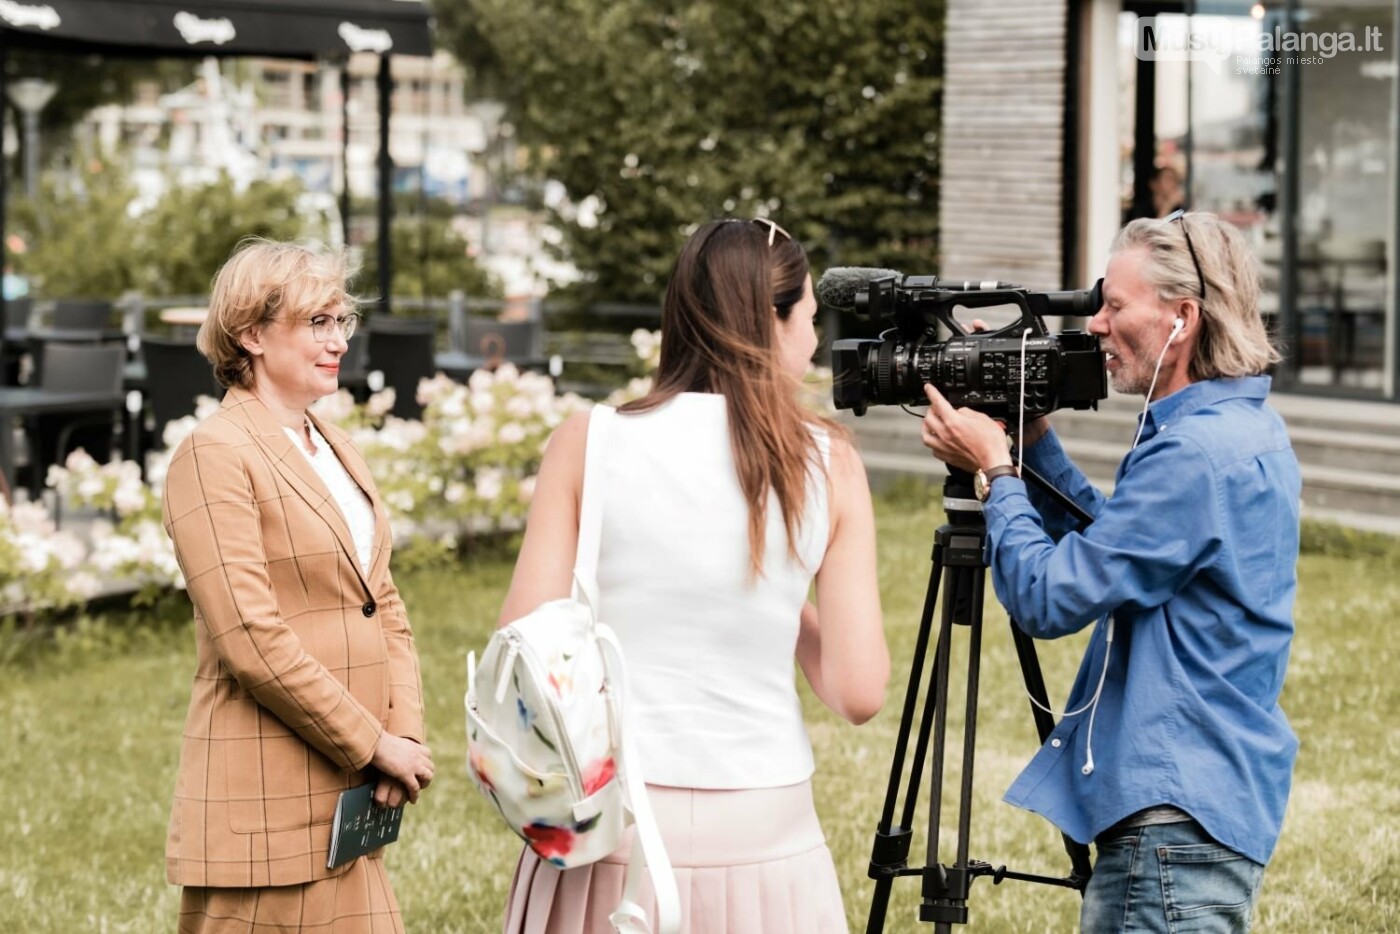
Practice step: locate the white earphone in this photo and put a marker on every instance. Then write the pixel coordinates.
(1177, 325)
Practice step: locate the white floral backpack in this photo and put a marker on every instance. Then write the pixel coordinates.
(546, 729)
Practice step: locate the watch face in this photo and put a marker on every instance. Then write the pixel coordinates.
(980, 485)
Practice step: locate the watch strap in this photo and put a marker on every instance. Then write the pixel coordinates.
(1002, 470)
(985, 479)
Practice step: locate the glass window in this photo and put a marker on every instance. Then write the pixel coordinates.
(1346, 172)
(1217, 130)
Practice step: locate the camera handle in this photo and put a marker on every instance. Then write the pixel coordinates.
(943, 304)
(959, 565)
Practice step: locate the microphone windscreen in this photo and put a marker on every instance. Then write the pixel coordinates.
(838, 286)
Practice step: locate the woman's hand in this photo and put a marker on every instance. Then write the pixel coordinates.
(963, 438)
(404, 761)
(389, 793)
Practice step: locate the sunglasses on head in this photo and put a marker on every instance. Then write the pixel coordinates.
(1180, 215)
(773, 229)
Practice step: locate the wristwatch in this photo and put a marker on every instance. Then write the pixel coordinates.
(982, 480)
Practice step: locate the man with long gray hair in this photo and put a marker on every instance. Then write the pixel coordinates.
(1173, 755)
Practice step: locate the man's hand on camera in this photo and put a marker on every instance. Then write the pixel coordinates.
(963, 438)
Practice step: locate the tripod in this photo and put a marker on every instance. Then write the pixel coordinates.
(958, 564)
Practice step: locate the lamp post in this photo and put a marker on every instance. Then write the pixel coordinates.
(30, 96)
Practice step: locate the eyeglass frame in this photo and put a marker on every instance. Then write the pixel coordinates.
(347, 324)
(1180, 215)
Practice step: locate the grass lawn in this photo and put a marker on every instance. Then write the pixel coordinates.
(90, 726)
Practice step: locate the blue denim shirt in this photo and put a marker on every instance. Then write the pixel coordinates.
(1195, 556)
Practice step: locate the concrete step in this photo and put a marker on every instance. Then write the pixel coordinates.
(1364, 452)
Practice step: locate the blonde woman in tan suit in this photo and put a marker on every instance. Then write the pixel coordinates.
(307, 679)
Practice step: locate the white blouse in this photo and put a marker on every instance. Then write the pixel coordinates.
(354, 504)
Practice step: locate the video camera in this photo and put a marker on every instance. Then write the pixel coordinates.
(979, 370)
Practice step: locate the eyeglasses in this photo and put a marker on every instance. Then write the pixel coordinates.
(773, 229)
(323, 326)
(1180, 215)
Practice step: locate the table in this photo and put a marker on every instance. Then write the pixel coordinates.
(188, 316)
(16, 401)
(23, 336)
(184, 321)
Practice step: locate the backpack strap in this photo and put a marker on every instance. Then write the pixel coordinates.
(590, 520)
(648, 849)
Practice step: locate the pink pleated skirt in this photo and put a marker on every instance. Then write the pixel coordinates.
(747, 862)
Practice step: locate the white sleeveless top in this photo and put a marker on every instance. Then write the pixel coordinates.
(710, 657)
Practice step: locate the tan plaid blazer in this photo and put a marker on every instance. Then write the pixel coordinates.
(302, 659)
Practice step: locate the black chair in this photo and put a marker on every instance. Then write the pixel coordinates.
(402, 349)
(74, 368)
(80, 314)
(177, 374)
(17, 313)
(354, 366)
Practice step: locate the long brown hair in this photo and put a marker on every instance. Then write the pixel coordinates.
(719, 335)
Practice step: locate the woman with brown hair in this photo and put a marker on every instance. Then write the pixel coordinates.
(721, 498)
(307, 680)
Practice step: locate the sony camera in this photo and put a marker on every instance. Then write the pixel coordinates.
(980, 370)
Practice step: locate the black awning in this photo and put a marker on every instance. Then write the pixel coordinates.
(284, 28)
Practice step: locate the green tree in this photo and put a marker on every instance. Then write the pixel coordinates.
(192, 230)
(82, 239)
(430, 260)
(76, 239)
(819, 113)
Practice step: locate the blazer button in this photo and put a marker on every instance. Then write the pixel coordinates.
(368, 609)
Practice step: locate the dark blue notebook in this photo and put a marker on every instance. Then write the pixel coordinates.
(361, 826)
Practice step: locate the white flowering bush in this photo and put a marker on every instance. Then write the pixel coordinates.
(40, 567)
(647, 344)
(134, 548)
(467, 468)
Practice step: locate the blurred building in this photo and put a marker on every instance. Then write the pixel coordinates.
(260, 116)
(257, 118)
(1278, 116)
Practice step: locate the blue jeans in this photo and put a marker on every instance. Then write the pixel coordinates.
(1169, 879)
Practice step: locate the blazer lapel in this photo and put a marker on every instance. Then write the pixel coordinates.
(293, 466)
(354, 463)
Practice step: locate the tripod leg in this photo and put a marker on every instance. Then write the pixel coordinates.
(941, 662)
(974, 668)
(945, 887)
(891, 848)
